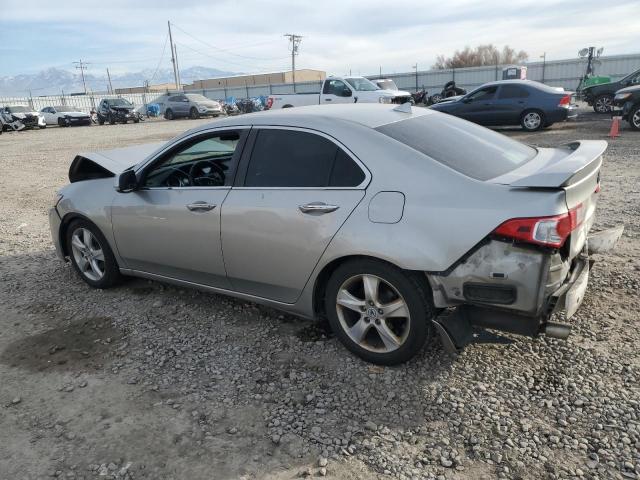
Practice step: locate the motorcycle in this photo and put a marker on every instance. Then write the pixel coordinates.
(419, 97)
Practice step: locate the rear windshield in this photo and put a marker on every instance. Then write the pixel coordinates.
(470, 149)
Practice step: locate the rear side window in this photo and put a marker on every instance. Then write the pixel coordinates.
(513, 91)
(470, 149)
(294, 159)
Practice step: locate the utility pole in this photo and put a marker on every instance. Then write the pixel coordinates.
(175, 49)
(415, 67)
(380, 71)
(295, 43)
(82, 66)
(544, 64)
(173, 58)
(109, 77)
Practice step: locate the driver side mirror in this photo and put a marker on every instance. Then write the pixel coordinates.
(466, 100)
(346, 92)
(127, 181)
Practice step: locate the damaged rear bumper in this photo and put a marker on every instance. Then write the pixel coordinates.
(552, 287)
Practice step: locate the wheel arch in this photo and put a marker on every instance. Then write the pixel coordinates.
(64, 226)
(321, 280)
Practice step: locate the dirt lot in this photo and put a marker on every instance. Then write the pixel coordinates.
(148, 381)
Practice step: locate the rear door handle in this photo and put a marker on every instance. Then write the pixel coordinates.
(317, 207)
(200, 207)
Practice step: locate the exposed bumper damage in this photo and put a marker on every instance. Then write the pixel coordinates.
(511, 288)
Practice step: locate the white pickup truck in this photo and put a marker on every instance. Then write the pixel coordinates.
(340, 90)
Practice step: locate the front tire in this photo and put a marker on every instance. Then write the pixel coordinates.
(91, 255)
(112, 120)
(379, 312)
(193, 113)
(532, 120)
(603, 103)
(634, 118)
(168, 114)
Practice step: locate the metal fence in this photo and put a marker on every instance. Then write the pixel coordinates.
(83, 103)
(557, 73)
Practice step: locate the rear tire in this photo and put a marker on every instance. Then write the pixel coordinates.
(168, 114)
(287, 106)
(532, 120)
(378, 311)
(90, 255)
(603, 103)
(634, 118)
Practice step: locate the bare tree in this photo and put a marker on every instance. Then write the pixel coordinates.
(480, 56)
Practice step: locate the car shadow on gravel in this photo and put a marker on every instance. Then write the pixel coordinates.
(77, 344)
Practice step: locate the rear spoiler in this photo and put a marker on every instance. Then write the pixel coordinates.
(558, 167)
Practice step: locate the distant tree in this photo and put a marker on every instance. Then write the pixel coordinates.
(479, 56)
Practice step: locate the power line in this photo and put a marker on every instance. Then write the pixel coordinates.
(218, 59)
(166, 38)
(224, 50)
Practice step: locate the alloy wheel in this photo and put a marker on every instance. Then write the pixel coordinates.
(603, 104)
(88, 254)
(532, 120)
(372, 313)
(635, 120)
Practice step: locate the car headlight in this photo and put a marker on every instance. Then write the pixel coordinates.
(385, 99)
(623, 96)
(202, 109)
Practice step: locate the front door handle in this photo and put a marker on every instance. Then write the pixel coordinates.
(200, 207)
(327, 99)
(317, 207)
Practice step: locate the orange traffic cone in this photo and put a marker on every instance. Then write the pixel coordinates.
(615, 127)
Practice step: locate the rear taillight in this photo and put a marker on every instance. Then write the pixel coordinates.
(547, 231)
(565, 101)
(269, 102)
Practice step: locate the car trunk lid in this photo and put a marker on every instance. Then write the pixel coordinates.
(574, 168)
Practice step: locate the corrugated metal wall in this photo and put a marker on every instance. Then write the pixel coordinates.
(557, 73)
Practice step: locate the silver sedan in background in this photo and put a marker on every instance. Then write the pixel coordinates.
(378, 217)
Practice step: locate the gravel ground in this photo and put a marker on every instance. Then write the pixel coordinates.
(148, 381)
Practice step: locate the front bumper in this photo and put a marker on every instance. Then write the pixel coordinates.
(54, 225)
(624, 112)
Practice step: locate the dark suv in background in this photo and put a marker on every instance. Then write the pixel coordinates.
(600, 97)
(629, 100)
(114, 110)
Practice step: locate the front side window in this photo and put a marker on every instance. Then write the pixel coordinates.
(205, 162)
(486, 93)
(513, 91)
(295, 159)
(335, 87)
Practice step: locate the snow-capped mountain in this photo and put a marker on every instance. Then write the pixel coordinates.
(54, 80)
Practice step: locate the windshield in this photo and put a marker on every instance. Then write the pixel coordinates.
(197, 97)
(60, 108)
(119, 102)
(387, 84)
(362, 84)
(18, 109)
(470, 149)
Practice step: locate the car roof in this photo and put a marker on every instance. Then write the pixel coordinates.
(370, 115)
(524, 83)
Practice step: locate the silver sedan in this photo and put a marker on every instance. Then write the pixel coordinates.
(392, 222)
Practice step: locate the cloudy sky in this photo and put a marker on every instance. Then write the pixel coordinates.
(339, 36)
